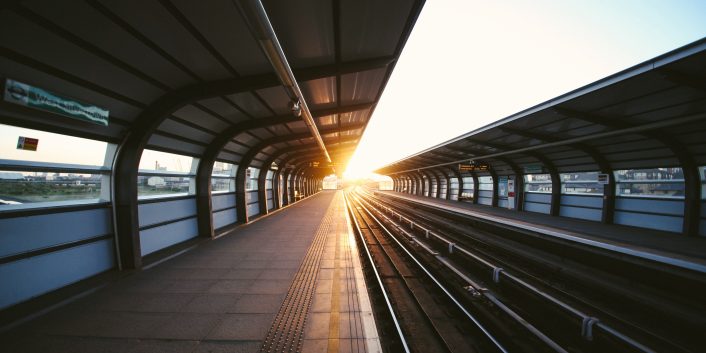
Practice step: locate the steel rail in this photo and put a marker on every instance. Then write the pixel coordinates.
(403, 340)
(498, 271)
(437, 282)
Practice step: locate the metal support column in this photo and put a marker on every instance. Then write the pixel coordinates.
(204, 201)
(241, 202)
(262, 190)
(494, 197)
(475, 188)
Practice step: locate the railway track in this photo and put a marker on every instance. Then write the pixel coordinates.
(428, 308)
(568, 304)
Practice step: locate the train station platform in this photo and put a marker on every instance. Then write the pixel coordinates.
(290, 281)
(677, 249)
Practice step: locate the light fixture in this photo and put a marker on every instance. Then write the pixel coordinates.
(259, 24)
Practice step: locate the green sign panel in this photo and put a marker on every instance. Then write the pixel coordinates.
(33, 97)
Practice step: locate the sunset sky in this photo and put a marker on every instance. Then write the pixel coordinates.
(470, 63)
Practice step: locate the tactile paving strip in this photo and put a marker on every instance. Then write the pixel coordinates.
(287, 331)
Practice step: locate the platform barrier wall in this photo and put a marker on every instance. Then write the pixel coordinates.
(270, 200)
(658, 214)
(29, 267)
(166, 222)
(253, 203)
(224, 213)
(538, 202)
(485, 197)
(502, 202)
(582, 207)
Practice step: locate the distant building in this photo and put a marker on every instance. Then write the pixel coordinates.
(11, 176)
(156, 181)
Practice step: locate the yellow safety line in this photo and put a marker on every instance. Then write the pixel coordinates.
(334, 321)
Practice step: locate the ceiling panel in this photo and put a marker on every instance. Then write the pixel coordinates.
(187, 50)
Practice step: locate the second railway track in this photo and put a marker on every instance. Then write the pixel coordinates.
(539, 293)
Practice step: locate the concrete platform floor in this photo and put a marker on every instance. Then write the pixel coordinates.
(225, 295)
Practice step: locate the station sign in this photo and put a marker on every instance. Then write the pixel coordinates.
(314, 164)
(474, 166)
(37, 98)
(27, 143)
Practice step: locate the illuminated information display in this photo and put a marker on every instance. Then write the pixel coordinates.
(474, 166)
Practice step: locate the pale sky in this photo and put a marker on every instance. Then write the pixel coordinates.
(469, 63)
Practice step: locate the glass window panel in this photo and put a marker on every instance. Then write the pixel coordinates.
(52, 148)
(581, 183)
(251, 179)
(538, 183)
(165, 162)
(18, 188)
(485, 183)
(148, 186)
(222, 184)
(224, 169)
(654, 182)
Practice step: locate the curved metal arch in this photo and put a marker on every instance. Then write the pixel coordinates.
(692, 204)
(125, 165)
(442, 172)
(248, 157)
(418, 191)
(458, 176)
(284, 172)
(438, 183)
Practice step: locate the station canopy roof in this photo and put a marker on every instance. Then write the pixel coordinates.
(192, 73)
(648, 116)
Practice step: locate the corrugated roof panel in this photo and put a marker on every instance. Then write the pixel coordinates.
(187, 50)
(320, 94)
(250, 104)
(226, 31)
(177, 128)
(276, 98)
(201, 118)
(84, 21)
(224, 108)
(305, 30)
(361, 87)
(73, 59)
(379, 34)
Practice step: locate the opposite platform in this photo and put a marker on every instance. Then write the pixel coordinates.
(291, 280)
(679, 250)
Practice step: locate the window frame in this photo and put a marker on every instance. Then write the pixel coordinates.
(29, 166)
(231, 178)
(619, 182)
(191, 175)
